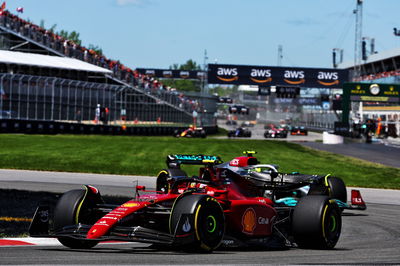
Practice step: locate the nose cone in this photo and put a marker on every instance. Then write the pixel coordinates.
(98, 230)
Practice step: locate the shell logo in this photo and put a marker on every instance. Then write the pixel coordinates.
(131, 204)
(249, 221)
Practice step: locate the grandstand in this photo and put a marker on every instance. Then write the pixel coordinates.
(44, 77)
(382, 68)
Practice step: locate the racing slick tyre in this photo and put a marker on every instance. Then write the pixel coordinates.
(164, 178)
(316, 222)
(162, 185)
(208, 221)
(73, 208)
(337, 188)
(266, 135)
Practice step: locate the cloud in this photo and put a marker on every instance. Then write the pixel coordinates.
(129, 2)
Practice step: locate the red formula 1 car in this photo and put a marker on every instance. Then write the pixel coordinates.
(191, 132)
(227, 203)
(275, 132)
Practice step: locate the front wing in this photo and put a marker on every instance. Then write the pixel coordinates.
(40, 227)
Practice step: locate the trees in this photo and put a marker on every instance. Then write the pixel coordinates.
(189, 65)
(72, 36)
(184, 84)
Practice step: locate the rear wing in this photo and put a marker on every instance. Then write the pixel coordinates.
(193, 159)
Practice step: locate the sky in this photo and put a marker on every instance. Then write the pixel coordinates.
(160, 33)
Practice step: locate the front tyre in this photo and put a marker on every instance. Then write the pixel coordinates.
(208, 221)
(73, 208)
(162, 185)
(316, 222)
(337, 189)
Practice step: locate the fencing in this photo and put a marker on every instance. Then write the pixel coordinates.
(55, 99)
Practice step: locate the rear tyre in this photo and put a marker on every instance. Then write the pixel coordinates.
(208, 221)
(316, 222)
(73, 208)
(337, 188)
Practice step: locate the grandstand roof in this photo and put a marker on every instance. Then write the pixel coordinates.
(374, 58)
(19, 58)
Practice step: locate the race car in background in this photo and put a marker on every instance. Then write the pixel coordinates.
(231, 123)
(191, 132)
(298, 130)
(225, 204)
(240, 132)
(249, 123)
(275, 132)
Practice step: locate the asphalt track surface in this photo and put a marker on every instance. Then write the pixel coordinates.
(376, 152)
(368, 237)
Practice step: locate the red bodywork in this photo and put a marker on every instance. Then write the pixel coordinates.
(246, 213)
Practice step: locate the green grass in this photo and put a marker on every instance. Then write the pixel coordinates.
(146, 156)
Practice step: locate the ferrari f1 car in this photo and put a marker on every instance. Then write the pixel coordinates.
(225, 204)
(191, 132)
(240, 132)
(296, 185)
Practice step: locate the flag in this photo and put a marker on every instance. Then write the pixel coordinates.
(3, 6)
(20, 9)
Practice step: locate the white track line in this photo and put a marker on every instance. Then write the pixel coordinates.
(39, 241)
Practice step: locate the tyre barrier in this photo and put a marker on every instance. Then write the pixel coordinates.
(54, 127)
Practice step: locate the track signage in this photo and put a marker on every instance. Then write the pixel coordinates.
(276, 76)
(172, 73)
(372, 92)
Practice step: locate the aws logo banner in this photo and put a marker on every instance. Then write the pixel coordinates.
(172, 73)
(184, 74)
(167, 74)
(227, 74)
(328, 78)
(150, 72)
(261, 75)
(278, 76)
(239, 74)
(294, 77)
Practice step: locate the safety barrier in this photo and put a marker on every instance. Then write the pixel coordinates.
(53, 127)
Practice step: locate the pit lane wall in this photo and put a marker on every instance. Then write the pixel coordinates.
(54, 127)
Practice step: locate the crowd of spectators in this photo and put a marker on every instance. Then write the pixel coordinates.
(155, 87)
(385, 74)
(71, 49)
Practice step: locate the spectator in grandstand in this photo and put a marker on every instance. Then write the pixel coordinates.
(67, 47)
(78, 116)
(97, 114)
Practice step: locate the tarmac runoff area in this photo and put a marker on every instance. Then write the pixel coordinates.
(386, 151)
